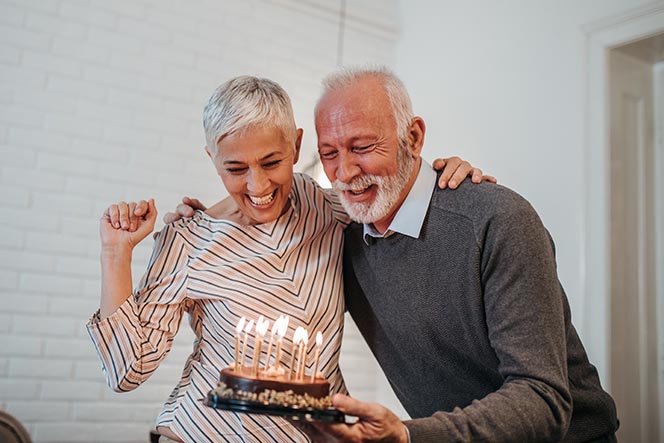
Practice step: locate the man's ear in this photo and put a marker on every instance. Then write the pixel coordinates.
(207, 151)
(416, 131)
(298, 144)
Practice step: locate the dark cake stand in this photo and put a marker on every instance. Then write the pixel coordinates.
(329, 415)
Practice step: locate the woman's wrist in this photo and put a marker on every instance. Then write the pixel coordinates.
(116, 252)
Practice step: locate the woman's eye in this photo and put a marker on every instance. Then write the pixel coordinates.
(327, 154)
(271, 164)
(236, 170)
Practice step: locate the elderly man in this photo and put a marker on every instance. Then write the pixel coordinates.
(456, 293)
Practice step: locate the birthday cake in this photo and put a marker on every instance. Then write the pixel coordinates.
(265, 386)
(274, 389)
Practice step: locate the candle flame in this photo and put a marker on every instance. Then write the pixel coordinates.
(283, 327)
(305, 336)
(249, 327)
(298, 336)
(275, 326)
(261, 326)
(319, 339)
(240, 325)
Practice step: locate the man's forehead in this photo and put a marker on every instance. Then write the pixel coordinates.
(341, 113)
(360, 90)
(351, 104)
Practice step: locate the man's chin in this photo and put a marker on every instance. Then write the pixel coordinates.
(359, 213)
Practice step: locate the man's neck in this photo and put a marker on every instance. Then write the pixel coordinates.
(383, 224)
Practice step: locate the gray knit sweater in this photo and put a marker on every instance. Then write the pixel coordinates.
(472, 327)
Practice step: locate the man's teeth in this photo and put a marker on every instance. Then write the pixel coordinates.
(357, 191)
(261, 201)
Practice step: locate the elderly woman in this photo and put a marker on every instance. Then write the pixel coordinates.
(273, 248)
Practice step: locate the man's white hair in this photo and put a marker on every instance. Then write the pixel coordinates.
(402, 108)
(243, 102)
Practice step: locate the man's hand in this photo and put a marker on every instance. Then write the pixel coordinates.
(376, 424)
(184, 209)
(455, 170)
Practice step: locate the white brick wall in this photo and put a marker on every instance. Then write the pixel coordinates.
(101, 101)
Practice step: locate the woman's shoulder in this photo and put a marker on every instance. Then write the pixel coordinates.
(306, 186)
(200, 225)
(305, 183)
(309, 194)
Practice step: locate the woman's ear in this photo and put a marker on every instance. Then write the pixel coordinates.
(207, 151)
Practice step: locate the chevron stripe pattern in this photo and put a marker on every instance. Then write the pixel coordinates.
(218, 271)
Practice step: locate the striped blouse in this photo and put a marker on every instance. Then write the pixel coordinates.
(218, 271)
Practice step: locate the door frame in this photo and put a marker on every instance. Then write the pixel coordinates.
(601, 37)
(658, 87)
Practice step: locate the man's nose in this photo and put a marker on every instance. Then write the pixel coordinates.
(347, 168)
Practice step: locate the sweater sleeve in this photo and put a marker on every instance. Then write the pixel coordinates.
(132, 342)
(526, 328)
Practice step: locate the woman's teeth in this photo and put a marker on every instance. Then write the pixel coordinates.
(262, 201)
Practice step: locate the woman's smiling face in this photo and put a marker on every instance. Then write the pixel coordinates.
(256, 166)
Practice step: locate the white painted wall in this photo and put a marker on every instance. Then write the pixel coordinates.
(504, 85)
(101, 101)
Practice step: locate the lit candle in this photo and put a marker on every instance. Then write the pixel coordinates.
(261, 329)
(297, 336)
(247, 330)
(319, 342)
(238, 331)
(302, 355)
(273, 333)
(283, 328)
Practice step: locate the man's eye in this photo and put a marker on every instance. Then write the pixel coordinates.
(236, 170)
(326, 155)
(362, 148)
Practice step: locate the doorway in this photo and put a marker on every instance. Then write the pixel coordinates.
(635, 224)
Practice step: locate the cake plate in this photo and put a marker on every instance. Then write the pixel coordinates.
(329, 415)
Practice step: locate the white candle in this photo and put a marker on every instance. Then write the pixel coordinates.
(302, 355)
(319, 342)
(273, 333)
(296, 341)
(261, 329)
(238, 331)
(283, 328)
(247, 330)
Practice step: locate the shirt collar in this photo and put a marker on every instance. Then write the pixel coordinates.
(410, 217)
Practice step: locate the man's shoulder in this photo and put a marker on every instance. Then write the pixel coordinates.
(478, 202)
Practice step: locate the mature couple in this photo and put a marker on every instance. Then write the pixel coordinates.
(455, 291)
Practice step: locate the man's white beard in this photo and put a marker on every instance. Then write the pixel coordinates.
(388, 190)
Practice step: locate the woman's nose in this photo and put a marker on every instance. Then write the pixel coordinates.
(258, 181)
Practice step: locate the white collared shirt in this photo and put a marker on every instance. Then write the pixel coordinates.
(410, 216)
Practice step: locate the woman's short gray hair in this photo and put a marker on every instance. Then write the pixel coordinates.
(246, 101)
(402, 108)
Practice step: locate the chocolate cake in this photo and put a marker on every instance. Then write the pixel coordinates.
(274, 389)
(319, 388)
